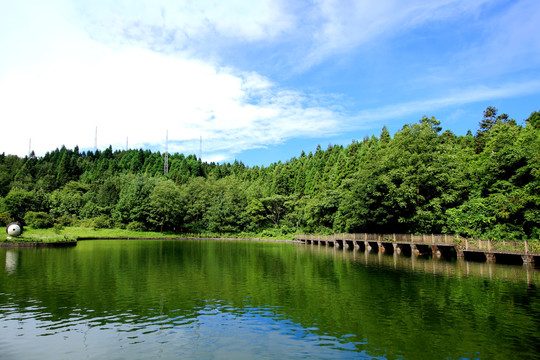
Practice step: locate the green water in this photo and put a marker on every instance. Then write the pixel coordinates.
(260, 300)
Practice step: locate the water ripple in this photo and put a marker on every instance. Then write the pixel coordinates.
(119, 305)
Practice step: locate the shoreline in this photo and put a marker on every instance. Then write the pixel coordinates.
(60, 244)
(31, 244)
(184, 238)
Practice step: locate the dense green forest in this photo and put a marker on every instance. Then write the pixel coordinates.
(421, 180)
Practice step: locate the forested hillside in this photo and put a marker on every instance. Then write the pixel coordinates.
(422, 180)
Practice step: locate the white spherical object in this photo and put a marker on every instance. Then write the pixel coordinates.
(14, 230)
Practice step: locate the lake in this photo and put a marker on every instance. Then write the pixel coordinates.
(167, 299)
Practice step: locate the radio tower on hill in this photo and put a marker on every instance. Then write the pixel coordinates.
(166, 164)
(95, 142)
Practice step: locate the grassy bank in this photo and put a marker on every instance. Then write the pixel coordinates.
(75, 233)
(41, 236)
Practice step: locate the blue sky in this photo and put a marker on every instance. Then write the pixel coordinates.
(259, 81)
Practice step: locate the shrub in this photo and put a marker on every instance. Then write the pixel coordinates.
(89, 210)
(38, 220)
(136, 226)
(102, 222)
(271, 233)
(58, 228)
(119, 225)
(64, 221)
(5, 218)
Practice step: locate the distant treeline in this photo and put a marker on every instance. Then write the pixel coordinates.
(423, 180)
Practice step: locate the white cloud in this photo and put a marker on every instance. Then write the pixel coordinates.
(456, 98)
(62, 80)
(137, 93)
(136, 70)
(349, 24)
(509, 42)
(172, 25)
(306, 34)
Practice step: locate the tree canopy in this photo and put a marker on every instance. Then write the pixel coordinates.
(421, 180)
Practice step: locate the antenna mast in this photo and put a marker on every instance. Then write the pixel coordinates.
(166, 164)
(95, 142)
(29, 147)
(200, 147)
